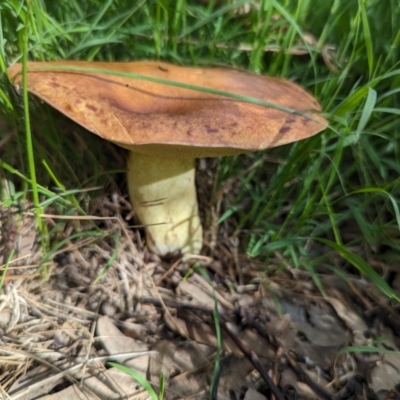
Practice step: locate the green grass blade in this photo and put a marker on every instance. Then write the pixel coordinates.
(367, 111)
(367, 349)
(384, 193)
(29, 145)
(137, 377)
(362, 266)
(218, 335)
(367, 35)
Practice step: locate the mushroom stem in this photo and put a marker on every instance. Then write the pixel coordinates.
(163, 193)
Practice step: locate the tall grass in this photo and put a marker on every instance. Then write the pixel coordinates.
(336, 194)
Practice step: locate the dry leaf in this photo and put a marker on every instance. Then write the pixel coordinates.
(108, 385)
(116, 343)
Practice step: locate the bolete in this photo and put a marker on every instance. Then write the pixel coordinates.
(166, 126)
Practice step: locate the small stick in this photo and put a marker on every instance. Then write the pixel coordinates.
(303, 377)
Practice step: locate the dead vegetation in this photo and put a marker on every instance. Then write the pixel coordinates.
(107, 299)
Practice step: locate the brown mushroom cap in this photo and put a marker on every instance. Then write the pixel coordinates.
(163, 120)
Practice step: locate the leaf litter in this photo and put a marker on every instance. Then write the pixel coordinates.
(58, 335)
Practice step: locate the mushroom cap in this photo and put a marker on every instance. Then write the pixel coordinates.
(163, 120)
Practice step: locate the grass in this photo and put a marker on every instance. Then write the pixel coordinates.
(327, 203)
(143, 381)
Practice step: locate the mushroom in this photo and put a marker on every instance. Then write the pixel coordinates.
(166, 126)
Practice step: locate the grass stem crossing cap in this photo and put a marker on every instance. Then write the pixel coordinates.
(154, 110)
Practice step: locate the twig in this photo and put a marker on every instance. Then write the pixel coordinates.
(302, 375)
(255, 361)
